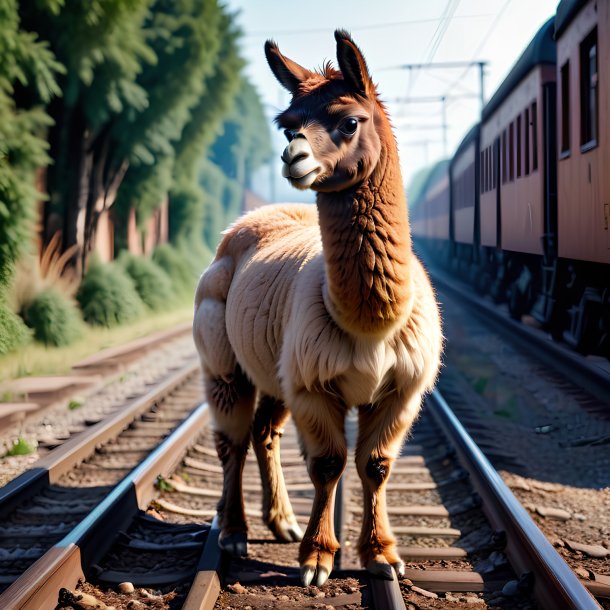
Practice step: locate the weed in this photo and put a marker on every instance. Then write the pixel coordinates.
(20, 447)
(74, 404)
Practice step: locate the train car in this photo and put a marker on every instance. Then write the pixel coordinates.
(579, 280)
(429, 213)
(464, 227)
(516, 168)
(529, 197)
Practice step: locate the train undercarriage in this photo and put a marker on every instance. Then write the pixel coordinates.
(570, 299)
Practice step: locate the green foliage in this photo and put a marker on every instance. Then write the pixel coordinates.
(27, 77)
(178, 269)
(150, 281)
(54, 319)
(245, 143)
(74, 404)
(13, 332)
(19, 447)
(107, 296)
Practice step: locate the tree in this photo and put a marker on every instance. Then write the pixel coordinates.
(103, 46)
(28, 70)
(190, 205)
(187, 37)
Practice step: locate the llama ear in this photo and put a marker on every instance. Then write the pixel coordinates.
(352, 63)
(288, 72)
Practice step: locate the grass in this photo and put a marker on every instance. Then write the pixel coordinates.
(74, 404)
(20, 447)
(35, 359)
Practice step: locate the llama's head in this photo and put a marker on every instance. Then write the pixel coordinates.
(334, 124)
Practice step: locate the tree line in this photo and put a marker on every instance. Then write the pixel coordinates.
(124, 102)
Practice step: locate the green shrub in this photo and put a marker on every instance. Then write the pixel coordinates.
(151, 282)
(13, 332)
(178, 268)
(54, 318)
(107, 296)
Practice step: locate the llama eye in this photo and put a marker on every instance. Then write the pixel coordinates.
(289, 134)
(349, 126)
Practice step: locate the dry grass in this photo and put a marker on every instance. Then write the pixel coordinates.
(33, 275)
(34, 359)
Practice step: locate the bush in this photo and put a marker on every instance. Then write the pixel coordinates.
(178, 268)
(54, 318)
(107, 296)
(151, 282)
(13, 332)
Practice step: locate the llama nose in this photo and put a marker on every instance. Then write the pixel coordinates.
(297, 150)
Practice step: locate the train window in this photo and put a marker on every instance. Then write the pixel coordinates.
(504, 157)
(511, 152)
(482, 177)
(534, 136)
(565, 109)
(519, 146)
(588, 91)
(526, 150)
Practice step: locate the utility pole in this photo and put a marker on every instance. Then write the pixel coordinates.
(447, 65)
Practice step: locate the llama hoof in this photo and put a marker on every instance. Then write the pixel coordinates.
(399, 567)
(308, 573)
(289, 531)
(381, 569)
(235, 544)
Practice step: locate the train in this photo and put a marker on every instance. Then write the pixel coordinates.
(522, 209)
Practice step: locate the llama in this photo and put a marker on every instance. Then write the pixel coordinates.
(312, 310)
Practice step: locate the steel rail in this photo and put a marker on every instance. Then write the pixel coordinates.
(555, 584)
(50, 468)
(69, 559)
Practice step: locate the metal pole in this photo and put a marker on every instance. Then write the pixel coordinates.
(444, 125)
(482, 83)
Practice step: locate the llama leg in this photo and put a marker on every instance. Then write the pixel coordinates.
(232, 405)
(381, 429)
(267, 430)
(321, 424)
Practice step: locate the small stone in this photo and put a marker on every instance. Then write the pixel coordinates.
(580, 516)
(247, 607)
(283, 598)
(320, 594)
(236, 588)
(553, 513)
(126, 587)
(329, 607)
(134, 604)
(406, 582)
(582, 572)
(451, 598)
(424, 592)
(592, 550)
(558, 542)
(511, 588)
(471, 599)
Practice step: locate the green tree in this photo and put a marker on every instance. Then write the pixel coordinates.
(28, 72)
(185, 36)
(190, 205)
(103, 45)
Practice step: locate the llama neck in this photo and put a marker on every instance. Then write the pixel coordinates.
(367, 250)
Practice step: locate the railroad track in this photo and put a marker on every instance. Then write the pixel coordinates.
(460, 531)
(50, 500)
(591, 374)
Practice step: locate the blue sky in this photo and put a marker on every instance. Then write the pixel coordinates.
(393, 33)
